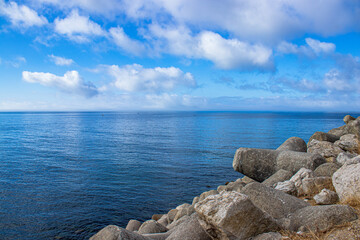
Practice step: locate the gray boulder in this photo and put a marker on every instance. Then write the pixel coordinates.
(113, 232)
(152, 226)
(346, 181)
(232, 186)
(345, 157)
(189, 230)
(320, 218)
(156, 217)
(322, 136)
(177, 222)
(326, 169)
(157, 236)
(206, 194)
(325, 149)
(268, 236)
(163, 220)
(349, 143)
(298, 178)
(312, 186)
(133, 225)
(195, 200)
(279, 176)
(171, 215)
(231, 215)
(326, 197)
(286, 187)
(353, 127)
(183, 210)
(339, 131)
(293, 144)
(274, 202)
(347, 119)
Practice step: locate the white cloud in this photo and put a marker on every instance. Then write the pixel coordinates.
(132, 78)
(125, 43)
(78, 28)
(61, 61)
(312, 48)
(320, 47)
(21, 15)
(71, 82)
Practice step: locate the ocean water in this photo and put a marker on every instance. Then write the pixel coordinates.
(67, 175)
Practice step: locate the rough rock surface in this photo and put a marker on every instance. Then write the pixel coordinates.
(346, 181)
(326, 169)
(343, 158)
(133, 225)
(232, 186)
(206, 194)
(286, 187)
(279, 176)
(274, 202)
(171, 215)
(321, 218)
(189, 230)
(268, 236)
(322, 136)
(297, 179)
(349, 143)
(156, 217)
(347, 119)
(195, 200)
(231, 215)
(325, 149)
(326, 197)
(163, 220)
(312, 186)
(113, 232)
(293, 144)
(152, 226)
(177, 222)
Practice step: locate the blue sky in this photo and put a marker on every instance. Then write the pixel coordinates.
(280, 55)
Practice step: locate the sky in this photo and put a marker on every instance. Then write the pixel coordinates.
(125, 55)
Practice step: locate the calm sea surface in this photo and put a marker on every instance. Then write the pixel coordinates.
(67, 175)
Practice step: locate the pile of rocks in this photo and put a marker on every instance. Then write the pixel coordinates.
(274, 195)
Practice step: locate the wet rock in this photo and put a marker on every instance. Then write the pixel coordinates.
(189, 230)
(151, 226)
(231, 215)
(274, 202)
(349, 143)
(326, 169)
(325, 149)
(322, 136)
(133, 225)
(326, 197)
(321, 218)
(293, 144)
(346, 181)
(113, 232)
(279, 176)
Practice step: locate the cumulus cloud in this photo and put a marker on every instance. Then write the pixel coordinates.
(312, 48)
(61, 61)
(78, 28)
(132, 78)
(71, 82)
(320, 47)
(21, 15)
(125, 42)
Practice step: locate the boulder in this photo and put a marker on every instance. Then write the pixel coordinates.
(171, 215)
(298, 178)
(206, 194)
(232, 186)
(189, 230)
(322, 136)
(326, 169)
(232, 215)
(156, 217)
(157, 236)
(279, 176)
(163, 220)
(260, 164)
(320, 218)
(182, 206)
(338, 131)
(151, 226)
(326, 197)
(349, 143)
(195, 200)
(325, 149)
(113, 232)
(346, 181)
(286, 187)
(345, 157)
(177, 222)
(347, 119)
(293, 144)
(247, 180)
(274, 202)
(133, 225)
(353, 127)
(312, 186)
(268, 236)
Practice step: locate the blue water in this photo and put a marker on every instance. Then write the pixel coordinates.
(67, 175)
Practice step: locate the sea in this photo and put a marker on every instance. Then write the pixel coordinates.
(66, 175)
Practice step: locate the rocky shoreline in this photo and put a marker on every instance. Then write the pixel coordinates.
(297, 191)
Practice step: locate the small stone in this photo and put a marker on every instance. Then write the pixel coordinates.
(345, 157)
(286, 187)
(326, 197)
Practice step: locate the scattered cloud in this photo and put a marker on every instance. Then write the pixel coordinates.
(20, 15)
(71, 82)
(61, 61)
(312, 48)
(14, 62)
(133, 78)
(125, 43)
(78, 28)
(320, 47)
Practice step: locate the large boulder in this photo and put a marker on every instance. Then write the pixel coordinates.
(326, 197)
(320, 218)
(345, 157)
(286, 187)
(293, 144)
(322, 136)
(312, 186)
(346, 181)
(232, 215)
(171, 215)
(279, 176)
(298, 178)
(294, 161)
(156, 217)
(232, 186)
(164, 220)
(208, 193)
(133, 225)
(353, 127)
(178, 222)
(152, 226)
(347, 119)
(325, 149)
(113, 232)
(349, 143)
(189, 230)
(339, 131)
(274, 202)
(326, 169)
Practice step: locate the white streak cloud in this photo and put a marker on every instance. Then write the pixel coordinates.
(61, 61)
(312, 48)
(71, 82)
(125, 42)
